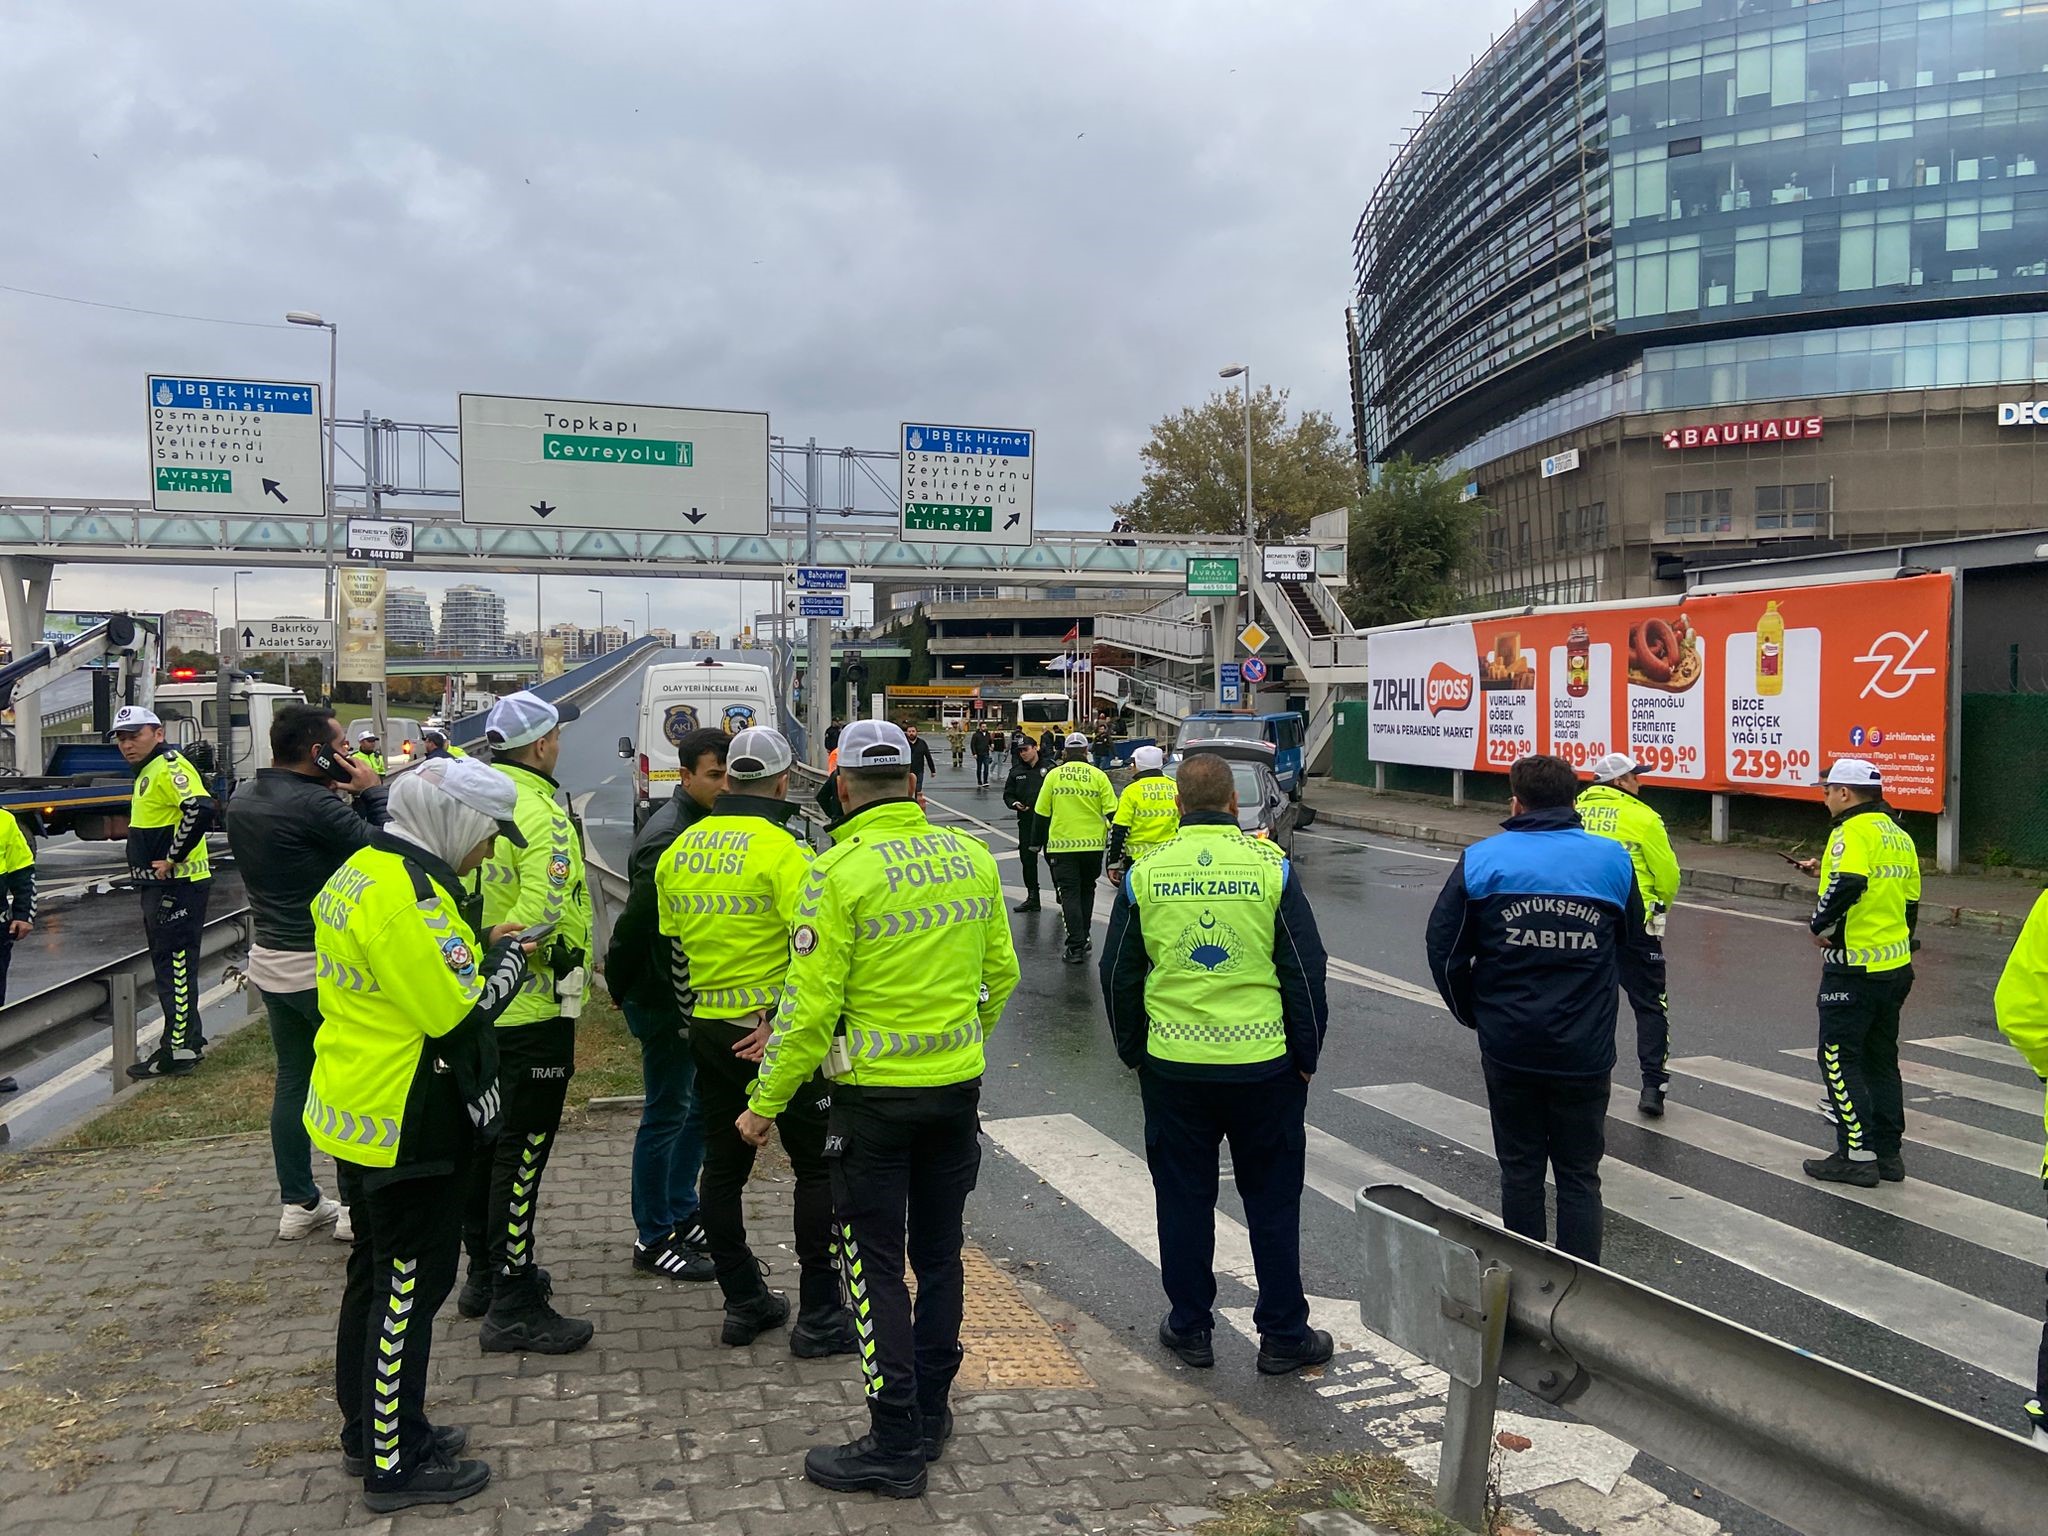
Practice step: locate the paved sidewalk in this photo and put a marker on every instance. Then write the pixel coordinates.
(165, 1367)
(1992, 902)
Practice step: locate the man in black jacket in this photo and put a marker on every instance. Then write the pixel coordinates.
(1525, 946)
(645, 973)
(984, 749)
(290, 829)
(920, 760)
(1020, 794)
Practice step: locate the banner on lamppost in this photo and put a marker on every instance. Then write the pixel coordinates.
(552, 663)
(362, 626)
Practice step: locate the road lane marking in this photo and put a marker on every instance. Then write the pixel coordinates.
(1985, 1223)
(1961, 1085)
(1921, 1129)
(1998, 1052)
(1402, 1396)
(1907, 1303)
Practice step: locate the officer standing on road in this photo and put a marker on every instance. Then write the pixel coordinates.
(1147, 813)
(18, 873)
(1074, 806)
(2022, 1007)
(1214, 980)
(1863, 927)
(728, 889)
(1020, 793)
(1612, 806)
(901, 963)
(1524, 945)
(289, 831)
(366, 752)
(403, 1085)
(645, 971)
(540, 885)
(434, 737)
(956, 738)
(168, 819)
(983, 746)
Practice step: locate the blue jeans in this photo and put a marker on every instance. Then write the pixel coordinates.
(294, 1021)
(668, 1152)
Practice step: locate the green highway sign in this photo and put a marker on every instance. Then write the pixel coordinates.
(1213, 577)
(213, 482)
(934, 516)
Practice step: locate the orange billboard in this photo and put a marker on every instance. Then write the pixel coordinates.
(1748, 693)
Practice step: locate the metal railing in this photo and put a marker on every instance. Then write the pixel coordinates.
(114, 995)
(1161, 637)
(1815, 1445)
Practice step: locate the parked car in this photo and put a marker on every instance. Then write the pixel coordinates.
(1264, 808)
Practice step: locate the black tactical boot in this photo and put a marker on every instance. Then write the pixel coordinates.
(521, 1321)
(888, 1460)
(440, 1480)
(937, 1425)
(474, 1300)
(749, 1316)
(1652, 1100)
(1892, 1170)
(823, 1331)
(1836, 1168)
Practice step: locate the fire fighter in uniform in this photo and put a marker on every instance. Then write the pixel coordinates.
(168, 819)
(901, 963)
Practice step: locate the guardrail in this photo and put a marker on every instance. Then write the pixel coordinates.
(113, 995)
(1815, 1445)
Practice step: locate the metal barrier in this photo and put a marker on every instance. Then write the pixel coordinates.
(1824, 1449)
(113, 995)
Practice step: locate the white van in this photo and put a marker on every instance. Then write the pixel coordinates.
(679, 697)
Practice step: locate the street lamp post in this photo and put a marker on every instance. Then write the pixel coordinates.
(309, 317)
(235, 586)
(594, 592)
(1225, 643)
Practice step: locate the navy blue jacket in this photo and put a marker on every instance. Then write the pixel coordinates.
(1525, 940)
(1299, 964)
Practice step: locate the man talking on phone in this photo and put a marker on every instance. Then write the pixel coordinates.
(540, 890)
(290, 829)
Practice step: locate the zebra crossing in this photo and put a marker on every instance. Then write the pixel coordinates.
(1573, 1471)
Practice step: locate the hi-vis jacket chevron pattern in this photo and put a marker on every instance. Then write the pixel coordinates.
(396, 972)
(540, 883)
(727, 893)
(1869, 892)
(901, 960)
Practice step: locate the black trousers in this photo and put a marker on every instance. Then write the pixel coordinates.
(1643, 980)
(1540, 1121)
(723, 1081)
(535, 1063)
(1073, 878)
(173, 913)
(1859, 1057)
(6, 955)
(1265, 1124)
(2037, 1410)
(903, 1162)
(400, 1269)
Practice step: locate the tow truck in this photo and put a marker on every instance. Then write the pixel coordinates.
(85, 786)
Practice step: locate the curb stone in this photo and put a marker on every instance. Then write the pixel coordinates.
(1978, 919)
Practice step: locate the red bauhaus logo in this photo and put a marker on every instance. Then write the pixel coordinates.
(1448, 688)
(1737, 434)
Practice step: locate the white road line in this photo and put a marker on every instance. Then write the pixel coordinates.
(1962, 1085)
(1974, 1331)
(1401, 1398)
(1380, 981)
(1998, 1052)
(1440, 858)
(1921, 1130)
(964, 816)
(1983, 1222)
(1338, 1170)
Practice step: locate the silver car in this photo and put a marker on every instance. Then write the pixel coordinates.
(1264, 809)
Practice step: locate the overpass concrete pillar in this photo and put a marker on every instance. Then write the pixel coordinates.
(27, 582)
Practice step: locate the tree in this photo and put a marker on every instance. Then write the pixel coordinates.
(1194, 469)
(1414, 539)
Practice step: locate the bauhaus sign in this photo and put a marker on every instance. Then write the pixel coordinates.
(1739, 434)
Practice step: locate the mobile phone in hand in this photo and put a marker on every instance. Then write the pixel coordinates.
(534, 934)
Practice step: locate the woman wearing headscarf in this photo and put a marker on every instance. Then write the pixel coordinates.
(404, 1084)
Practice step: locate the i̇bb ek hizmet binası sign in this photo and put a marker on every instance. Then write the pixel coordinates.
(1751, 692)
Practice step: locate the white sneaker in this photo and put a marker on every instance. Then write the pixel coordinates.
(344, 1229)
(296, 1221)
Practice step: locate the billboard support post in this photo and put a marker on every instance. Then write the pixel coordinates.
(1948, 824)
(1717, 812)
(1458, 787)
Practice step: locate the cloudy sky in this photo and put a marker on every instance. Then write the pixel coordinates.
(1058, 215)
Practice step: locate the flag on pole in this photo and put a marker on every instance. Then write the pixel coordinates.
(1072, 635)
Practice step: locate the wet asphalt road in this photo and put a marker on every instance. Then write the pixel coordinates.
(1742, 981)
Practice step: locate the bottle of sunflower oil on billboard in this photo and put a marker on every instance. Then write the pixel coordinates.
(1770, 651)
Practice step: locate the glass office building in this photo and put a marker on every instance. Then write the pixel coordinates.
(1752, 208)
